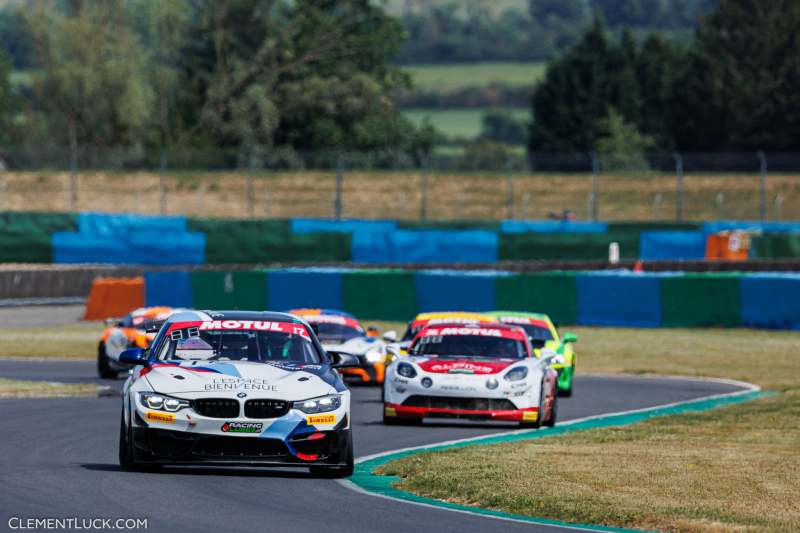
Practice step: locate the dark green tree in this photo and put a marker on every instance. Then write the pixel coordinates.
(739, 90)
(311, 74)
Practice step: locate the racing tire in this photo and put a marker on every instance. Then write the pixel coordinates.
(336, 472)
(538, 423)
(127, 461)
(554, 415)
(104, 369)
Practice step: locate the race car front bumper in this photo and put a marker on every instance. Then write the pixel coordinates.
(469, 408)
(165, 446)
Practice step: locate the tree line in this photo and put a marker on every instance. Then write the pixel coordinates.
(237, 75)
(733, 87)
(447, 31)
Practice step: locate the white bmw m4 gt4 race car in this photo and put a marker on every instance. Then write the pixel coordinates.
(225, 388)
(475, 371)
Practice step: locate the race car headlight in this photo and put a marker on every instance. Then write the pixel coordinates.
(323, 404)
(558, 360)
(492, 383)
(162, 403)
(374, 356)
(406, 370)
(516, 374)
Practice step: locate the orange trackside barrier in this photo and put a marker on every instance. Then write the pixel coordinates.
(728, 245)
(114, 297)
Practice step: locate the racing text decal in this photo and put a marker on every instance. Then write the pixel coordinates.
(321, 419)
(220, 384)
(164, 418)
(242, 427)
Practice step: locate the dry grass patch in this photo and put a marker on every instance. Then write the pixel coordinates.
(73, 341)
(396, 194)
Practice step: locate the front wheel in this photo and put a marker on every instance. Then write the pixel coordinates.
(104, 369)
(336, 472)
(126, 458)
(554, 414)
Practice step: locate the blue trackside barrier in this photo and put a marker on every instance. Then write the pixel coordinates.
(71, 247)
(552, 226)
(112, 225)
(168, 288)
(129, 239)
(307, 287)
(442, 290)
(319, 225)
(671, 245)
(619, 299)
(751, 225)
(771, 301)
(425, 246)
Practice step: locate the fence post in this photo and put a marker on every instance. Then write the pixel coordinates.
(251, 201)
(595, 185)
(509, 188)
(337, 199)
(162, 183)
(73, 180)
(678, 186)
(762, 187)
(423, 186)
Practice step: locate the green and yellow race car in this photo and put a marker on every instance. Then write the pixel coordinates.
(543, 334)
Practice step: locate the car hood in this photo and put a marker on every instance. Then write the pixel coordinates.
(286, 381)
(465, 365)
(354, 346)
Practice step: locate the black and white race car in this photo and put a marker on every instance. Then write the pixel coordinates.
(228, 388)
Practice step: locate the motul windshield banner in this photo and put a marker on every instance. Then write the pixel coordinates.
(524, 321)
(291, 328)
(504, 333)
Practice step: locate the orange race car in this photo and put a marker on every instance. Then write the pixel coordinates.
(136, 330)
(341, 332)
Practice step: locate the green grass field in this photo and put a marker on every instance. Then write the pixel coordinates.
(448, 77)
(463, 123)
(731, 469)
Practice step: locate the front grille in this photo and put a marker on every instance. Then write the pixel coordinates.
(466, 404)
(265, 408)
(230, 447)
(216, 407)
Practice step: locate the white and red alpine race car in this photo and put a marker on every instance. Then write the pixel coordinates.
(474, 371)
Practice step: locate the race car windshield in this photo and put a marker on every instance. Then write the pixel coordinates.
(211, 345)
(411, 332)
(337, 332)
(469, 346)
(537, 333)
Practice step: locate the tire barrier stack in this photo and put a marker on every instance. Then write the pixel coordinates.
(176, 240)
(602, 298)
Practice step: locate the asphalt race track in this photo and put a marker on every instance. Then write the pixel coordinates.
(59, 459)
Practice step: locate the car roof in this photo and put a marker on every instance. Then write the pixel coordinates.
(483, 325)
(204, 316)
(451, 314)
(319, 311)
(521, 314)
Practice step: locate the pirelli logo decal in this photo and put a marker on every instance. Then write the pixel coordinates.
(164, 418)
(321, 419)
(530, 416)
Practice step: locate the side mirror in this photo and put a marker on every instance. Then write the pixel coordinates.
(343, 360)
(537, 343)
(133, 356)
(390, 336)
(569, 337)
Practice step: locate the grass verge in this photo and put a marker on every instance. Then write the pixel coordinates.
(74, 341)
(13, 388)
(728, 469)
